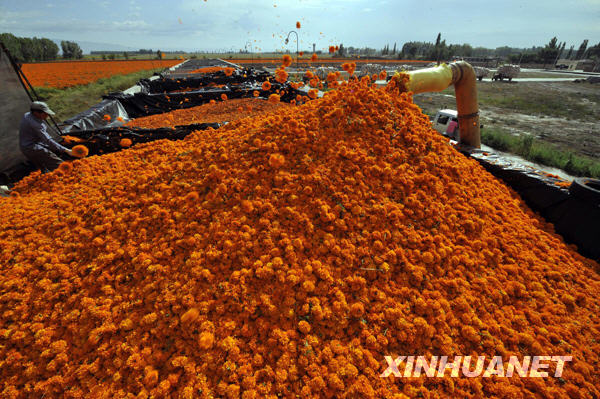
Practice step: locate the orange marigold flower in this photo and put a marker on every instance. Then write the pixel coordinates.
(382, 75)
(297, 24)
(276, 160)
(274, 98)
(125, 142)
(120, 119)
(357, 309)
(255, 93)
(224, 97)
(106, 117)
(301, 53)
(229, 71)
(281, 75)
(206, 340)
(247, 206)
(80, 151)
(304, 327)
(313, 93)
(313, 57)
(65, 167)
(266, 86)
(287, 60)
(331, 49)
(151, 376)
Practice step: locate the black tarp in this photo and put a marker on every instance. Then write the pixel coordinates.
(166, 84)
(575, 217)
(96, 117)
(144, 104)
(106, 140)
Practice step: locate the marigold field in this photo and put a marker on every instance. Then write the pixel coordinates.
(73, 73)
(284, 256)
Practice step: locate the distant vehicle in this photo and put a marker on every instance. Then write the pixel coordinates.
(442, 122)
(506, 72)
(481, 72)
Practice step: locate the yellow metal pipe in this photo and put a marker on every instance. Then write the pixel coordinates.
(462, 76)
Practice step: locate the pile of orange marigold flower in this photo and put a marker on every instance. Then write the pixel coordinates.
(221, 111)
(285, 256)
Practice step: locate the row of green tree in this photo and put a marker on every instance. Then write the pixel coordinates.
(548, 54)
(26, 49)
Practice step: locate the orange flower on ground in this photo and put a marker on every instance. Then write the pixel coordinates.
(266, 86)
(313, 93)
(298, 25)
(61, 74)
(223, 96)
(208, 70)
(80, 151)
(125, 143)
(276, 160)
(229, 71)
(382, 75)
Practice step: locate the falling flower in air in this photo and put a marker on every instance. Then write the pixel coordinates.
(274, 98)
(313, 58)
(106, 117)
(281, 75)
(287, 60)
(298, 25)
(331, 49)
(223, 96)
(266, 85)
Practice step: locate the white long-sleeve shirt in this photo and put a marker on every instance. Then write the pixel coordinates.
(34, 135)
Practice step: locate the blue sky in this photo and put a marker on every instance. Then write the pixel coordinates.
(263, 24)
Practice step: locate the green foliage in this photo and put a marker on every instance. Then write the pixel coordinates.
(542, 153)
(24, 49)
(581, 50)
(71, 50)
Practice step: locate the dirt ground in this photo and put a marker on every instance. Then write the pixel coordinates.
(566, 114)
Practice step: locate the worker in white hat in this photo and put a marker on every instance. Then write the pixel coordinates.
(35, 142)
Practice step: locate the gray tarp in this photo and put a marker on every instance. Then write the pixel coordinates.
(14, 102)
